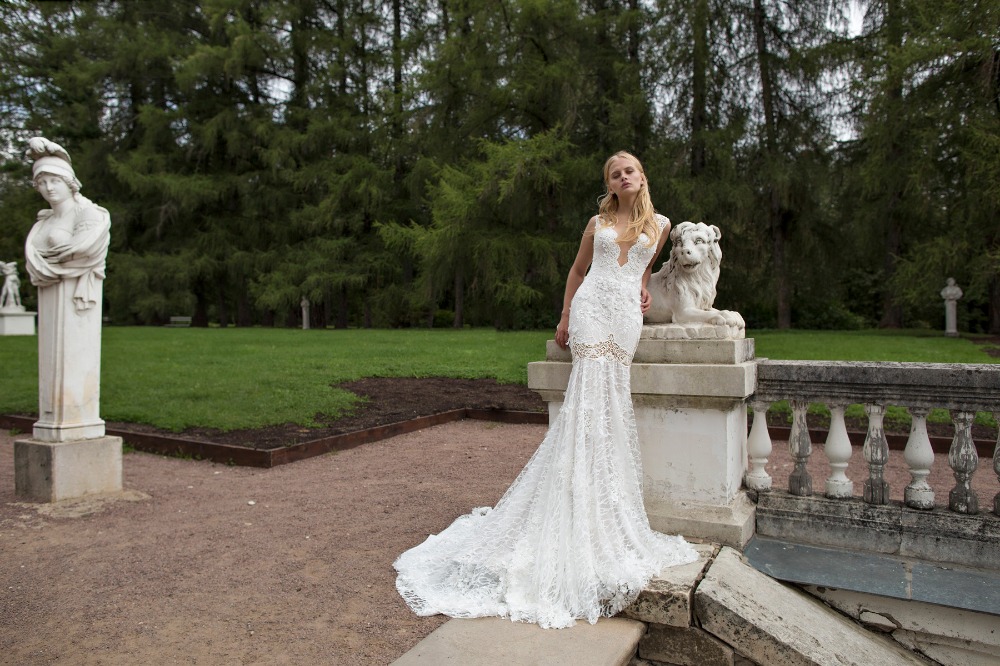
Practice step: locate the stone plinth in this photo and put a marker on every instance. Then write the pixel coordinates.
(69, 366)
(693, 331)
(17, 322)
(690, 407)
(54, 471)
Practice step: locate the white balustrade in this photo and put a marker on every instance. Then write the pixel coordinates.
(963, 460)
(964, 389)
(800, 446)
(876, 451)
(920, 457)
(838, 452)
(759, 449)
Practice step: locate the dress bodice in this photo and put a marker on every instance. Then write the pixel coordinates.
(605, 318)
(607, 255)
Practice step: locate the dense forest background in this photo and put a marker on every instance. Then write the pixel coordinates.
(433, 162)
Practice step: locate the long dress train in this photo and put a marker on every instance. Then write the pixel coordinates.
(570, 538)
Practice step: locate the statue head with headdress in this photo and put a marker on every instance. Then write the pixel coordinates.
(51, 159)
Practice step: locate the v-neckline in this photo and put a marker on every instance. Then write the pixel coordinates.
(627, 251)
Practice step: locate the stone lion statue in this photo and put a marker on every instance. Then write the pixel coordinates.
(683, 290)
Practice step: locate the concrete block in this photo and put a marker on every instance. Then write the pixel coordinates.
(972, 541)
(731, 524)
(773, 624)
(55, 471)
(684, 646)
(735, 382)
(17, 323)
(691, 455)
(488, 641)
(829, 522)
(667, 598)
(691, 379)
(721, 352)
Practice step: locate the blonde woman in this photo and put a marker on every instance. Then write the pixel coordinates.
(570, 538)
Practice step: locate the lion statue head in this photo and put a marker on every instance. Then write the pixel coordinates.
(683, 290)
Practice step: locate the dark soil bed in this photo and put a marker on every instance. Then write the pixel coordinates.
(391, 400)
(387, 400)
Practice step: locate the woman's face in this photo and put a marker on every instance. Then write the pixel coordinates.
(624, 178)
(53, 188)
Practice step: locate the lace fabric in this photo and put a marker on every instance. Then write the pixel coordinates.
(570, 538)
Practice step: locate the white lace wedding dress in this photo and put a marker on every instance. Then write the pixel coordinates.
(570, 537)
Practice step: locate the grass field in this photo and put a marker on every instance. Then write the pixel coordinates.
(176, 378)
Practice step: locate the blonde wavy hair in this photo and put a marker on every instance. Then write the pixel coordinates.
(642, 219)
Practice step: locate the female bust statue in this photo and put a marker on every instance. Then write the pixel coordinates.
(70, 239)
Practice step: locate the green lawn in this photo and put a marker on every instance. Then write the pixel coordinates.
(240, 378)
(243, 378)
(910, 346)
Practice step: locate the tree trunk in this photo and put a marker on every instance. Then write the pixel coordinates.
(223, 308)
(699, 76)
(341, 308)
(244, 313)
(459, 301)
(994, 305)
(892, 314)
(777, 218)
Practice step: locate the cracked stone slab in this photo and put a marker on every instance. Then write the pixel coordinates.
(667, 598)
(777, 625)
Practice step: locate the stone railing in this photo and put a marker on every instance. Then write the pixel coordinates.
(964, 389)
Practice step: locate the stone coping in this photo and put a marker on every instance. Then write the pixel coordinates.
(939, 536)
(961, 386)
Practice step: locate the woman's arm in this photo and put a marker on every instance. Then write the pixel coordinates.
(645, 300)
(575, 278)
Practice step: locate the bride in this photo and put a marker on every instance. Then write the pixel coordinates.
(570, 538)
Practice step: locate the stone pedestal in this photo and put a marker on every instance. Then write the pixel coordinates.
(17, 322)
(54, 471)
(69, 366)
(690, 405)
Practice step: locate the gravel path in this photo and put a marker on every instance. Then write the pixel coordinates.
(209, 564)
(226, 565)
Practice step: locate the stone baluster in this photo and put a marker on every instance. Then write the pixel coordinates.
(758, 449)
(920, 457)
(838, 452)
(876, 490)
(800, 446)
(963, 459)
(996, 463)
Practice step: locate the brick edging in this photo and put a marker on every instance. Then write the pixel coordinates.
(173, 445)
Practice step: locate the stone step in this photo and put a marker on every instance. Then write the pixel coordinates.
(494, 641)
(882, 574)
(776, 625)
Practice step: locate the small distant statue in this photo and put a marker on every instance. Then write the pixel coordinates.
(304, 304)
(10, 294)
(951, 293)
(71, 238)
(683, 291)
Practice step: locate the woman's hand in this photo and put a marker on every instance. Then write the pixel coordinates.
(645, 300)
(562, 332)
